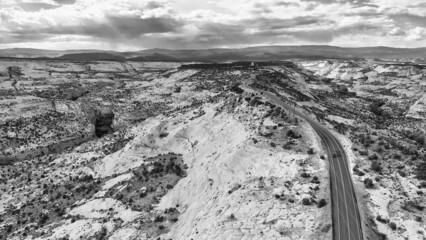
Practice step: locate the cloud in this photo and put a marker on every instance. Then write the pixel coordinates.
(154, 5)
(287, 4)
(397, 31)
(409, 20)
(36, 6)
(64, 2)
(417, 33)
(115, 27)
(208, 24)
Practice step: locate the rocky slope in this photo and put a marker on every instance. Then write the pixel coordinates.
(379, 110)
(161, 152)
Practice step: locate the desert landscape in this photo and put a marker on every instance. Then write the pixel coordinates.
(154, 150)
(212, 120)
(147, 150)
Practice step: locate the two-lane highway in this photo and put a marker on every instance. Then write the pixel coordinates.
(346, 217)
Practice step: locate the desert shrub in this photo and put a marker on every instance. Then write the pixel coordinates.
(322, 203)
(163, 135)
(43, 219)
(421, 171)
(305, 175)
(376, 166)
(306, 201)
(120, 196)
(392, 225)
(101, 235)
(368, 183)
(373, 157)
(315, 180)
(159, 218)
(292, 134)
(375, 107)
(382, 220)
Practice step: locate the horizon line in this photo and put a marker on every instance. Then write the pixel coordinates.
(214, 48)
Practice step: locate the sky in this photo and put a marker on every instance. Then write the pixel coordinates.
(127, 25)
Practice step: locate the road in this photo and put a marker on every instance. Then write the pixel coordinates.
(346, 218)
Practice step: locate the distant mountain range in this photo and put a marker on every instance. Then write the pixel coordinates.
(263, 53)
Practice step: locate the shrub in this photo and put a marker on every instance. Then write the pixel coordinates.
(311, 151)
(305, 175)
(322, 203)
(101, 235)
(392, 225)
(376, 166)
(306, 201)
(159, 218)
(235, 88)
(402, 173)
(382, 220)
(43, 218)
(373, 157)
(163, 135)
(368, 183)
(421, 171)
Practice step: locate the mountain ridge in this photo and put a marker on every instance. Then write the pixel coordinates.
(257, 53)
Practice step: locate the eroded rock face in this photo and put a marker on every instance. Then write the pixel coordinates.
(104, 120)
(46, 130)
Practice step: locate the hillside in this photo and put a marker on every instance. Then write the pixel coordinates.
(129, 149)
(172, 152)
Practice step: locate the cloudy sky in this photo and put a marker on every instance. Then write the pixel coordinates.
(193, 24)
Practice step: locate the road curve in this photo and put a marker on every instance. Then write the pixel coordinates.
(345, 213)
